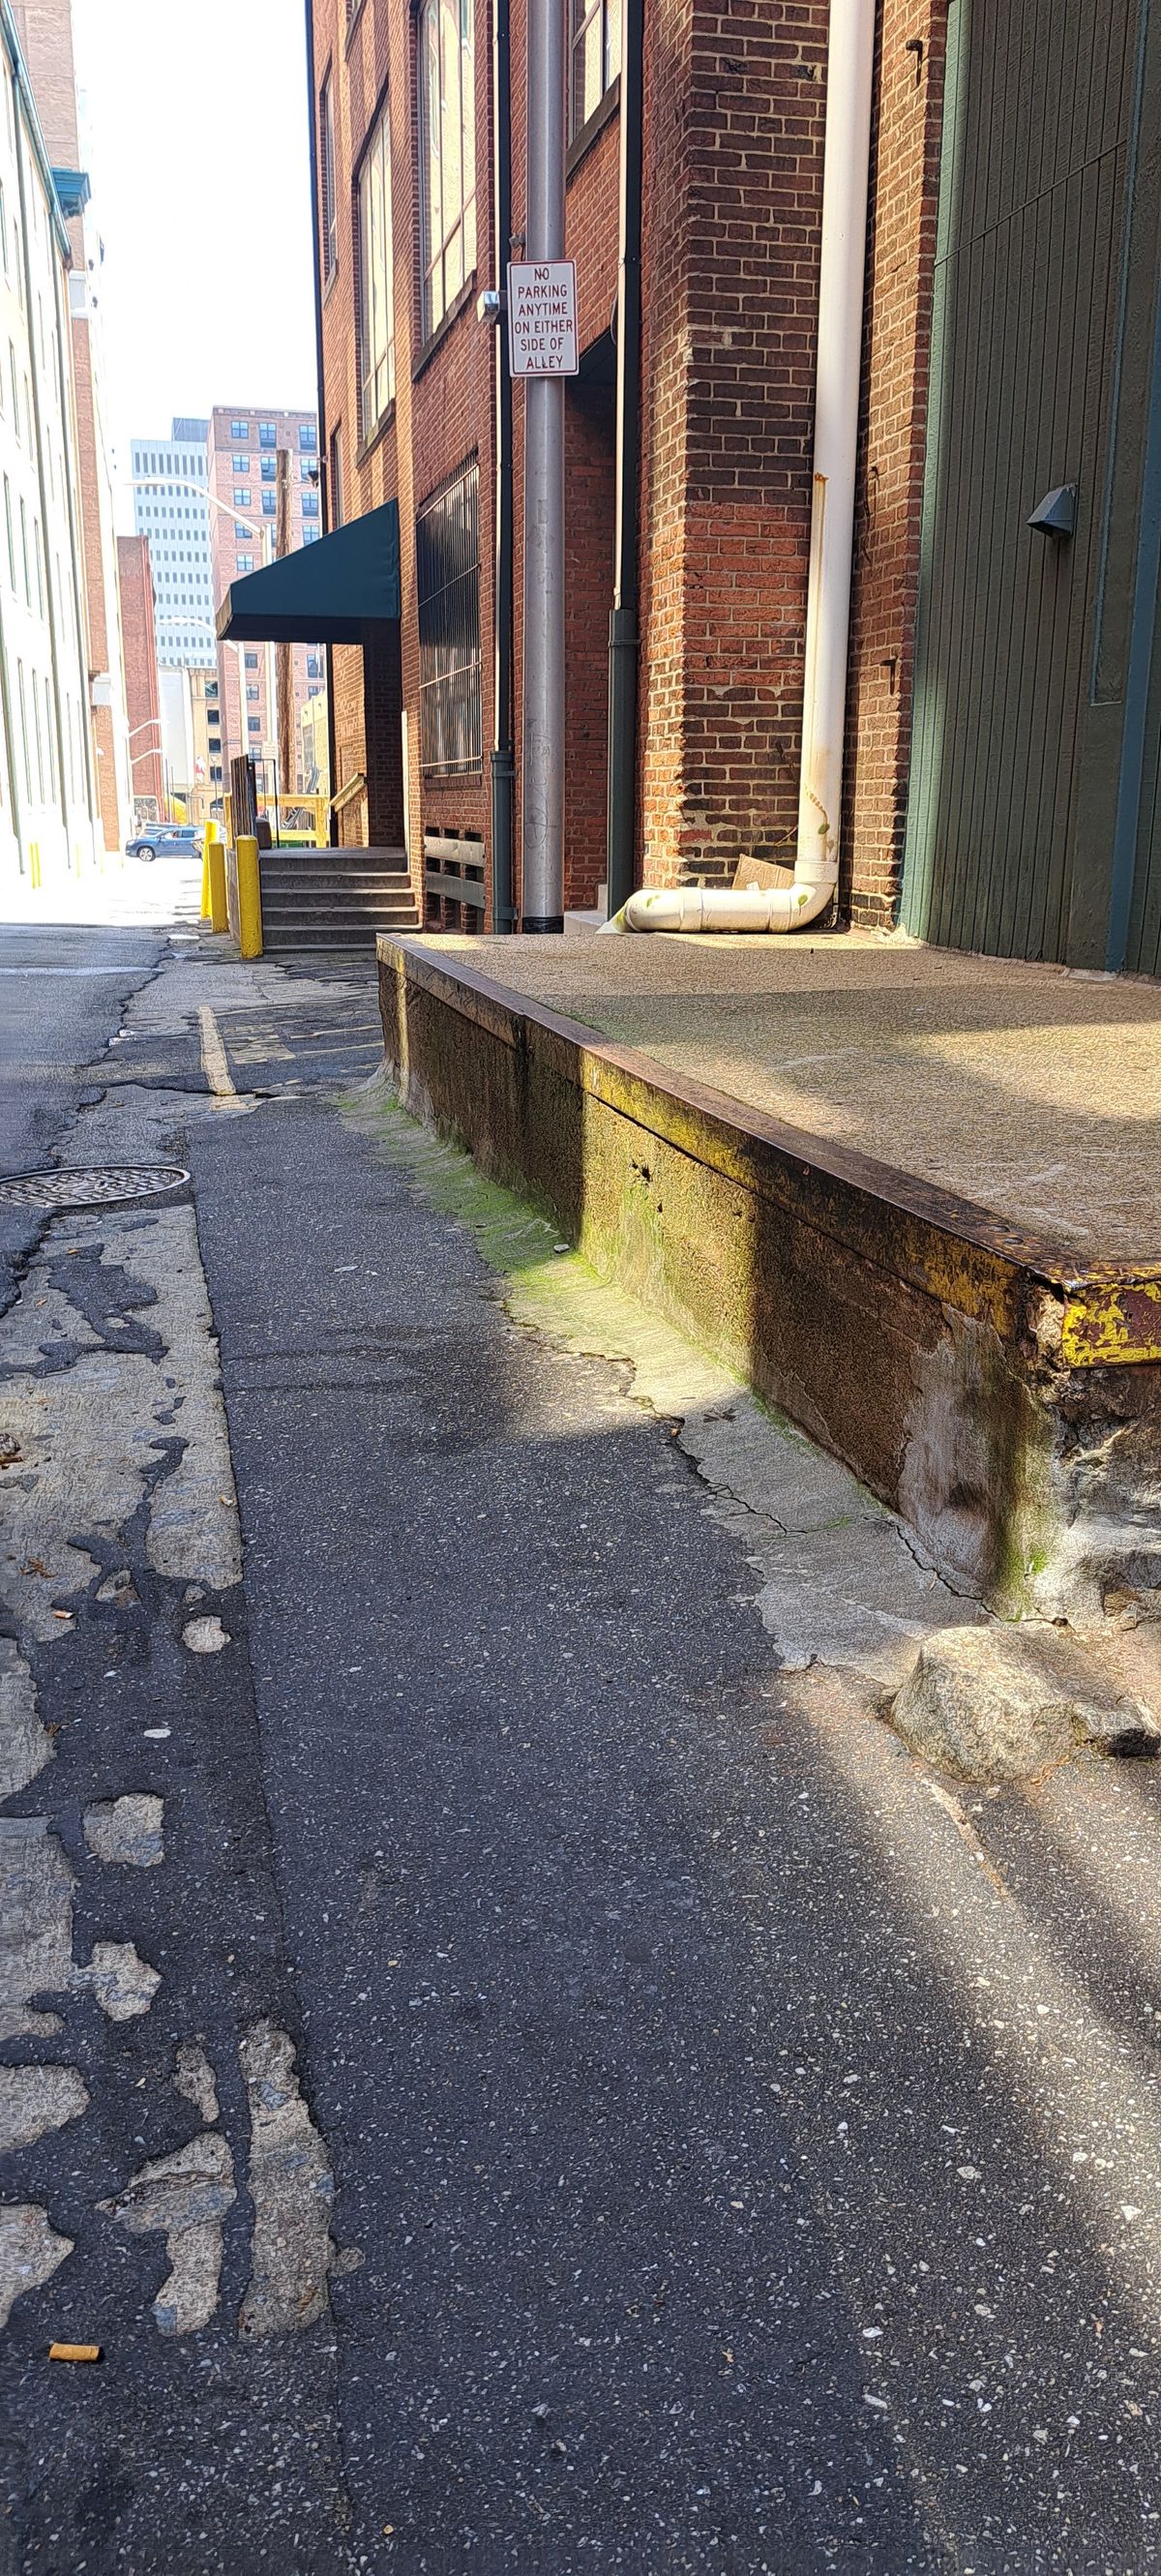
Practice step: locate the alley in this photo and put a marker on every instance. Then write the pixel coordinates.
(505, 2054)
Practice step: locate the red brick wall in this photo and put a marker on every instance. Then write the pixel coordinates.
(590, 481)
(889, 490)
(734, 130)
(139, 643)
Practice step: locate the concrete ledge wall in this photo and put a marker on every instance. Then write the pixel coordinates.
(913, 1336)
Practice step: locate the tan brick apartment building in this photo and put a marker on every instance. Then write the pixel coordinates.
(142, 702)
(1003, 736)
(242, 456)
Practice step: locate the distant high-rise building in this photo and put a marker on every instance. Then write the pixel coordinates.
(243, 492)
(171, 508)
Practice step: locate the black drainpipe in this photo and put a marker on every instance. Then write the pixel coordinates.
(503, 755)
(622, 807)
(324, 453)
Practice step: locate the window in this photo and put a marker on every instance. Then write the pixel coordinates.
(241, 465)
(307, 437)
(269, 505)
(269, 468)
(314, 666)
(376, 286)
(251, 661)
(241, 499)
(309, 536)
(326, 179)
(8, 525)
(267, 434)
(307, 470)
(447, 574)
(447, 146)
(310, 505)
(253, 693)
(211, 688)
(335, 480)
(240, 432)
(244, 563)
(253, 724)
(594, 57)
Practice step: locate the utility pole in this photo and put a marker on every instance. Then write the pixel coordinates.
(542, 883)
(284, 659)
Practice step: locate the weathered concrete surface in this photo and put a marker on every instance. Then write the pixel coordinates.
(292, 2190)
(25, 1743)
(128, 1831)
(30, 2252)
(936, 1348)
(185, 2198)
(34, 2099)
(1028, 1089)
(994, 1704)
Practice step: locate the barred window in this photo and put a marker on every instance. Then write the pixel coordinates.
(594, 57)
(447, 153)
(447, 572)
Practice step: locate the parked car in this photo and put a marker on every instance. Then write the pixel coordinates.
(166, 841)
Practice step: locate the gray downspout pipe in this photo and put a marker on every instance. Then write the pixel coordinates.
(623, 640)
(504, 752)
(323, 442)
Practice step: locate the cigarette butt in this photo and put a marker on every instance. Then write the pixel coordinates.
(74, 2352)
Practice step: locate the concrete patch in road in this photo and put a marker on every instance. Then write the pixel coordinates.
(205, 1636)
(35, 2099)
(194, 2080)
(291, 2189)
(123, 1983)
(127, 1832)
(25, 1743)
(183, 2197)
(36, 1941)
(30, 2252)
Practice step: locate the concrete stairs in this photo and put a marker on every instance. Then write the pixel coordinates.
(323, 899)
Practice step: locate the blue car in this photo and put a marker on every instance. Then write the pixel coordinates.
(166, 841)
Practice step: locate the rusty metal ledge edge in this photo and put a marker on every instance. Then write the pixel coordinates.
(1109, 1312)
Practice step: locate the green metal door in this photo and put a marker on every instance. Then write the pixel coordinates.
(1026, 332)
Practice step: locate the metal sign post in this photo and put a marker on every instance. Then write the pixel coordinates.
(542, 875)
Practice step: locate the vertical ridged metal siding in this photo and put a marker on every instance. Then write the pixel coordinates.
(1036, 120)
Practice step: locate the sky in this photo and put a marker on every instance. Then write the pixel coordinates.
(194, 134)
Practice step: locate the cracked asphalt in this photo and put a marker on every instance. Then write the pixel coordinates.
(505, 2054)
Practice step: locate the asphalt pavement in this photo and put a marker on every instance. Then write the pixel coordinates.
(563, 2088)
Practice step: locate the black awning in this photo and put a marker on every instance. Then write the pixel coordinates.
(321, 594)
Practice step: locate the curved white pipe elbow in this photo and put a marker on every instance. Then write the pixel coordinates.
(736, 908)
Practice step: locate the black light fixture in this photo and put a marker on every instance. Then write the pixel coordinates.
(1055, 515)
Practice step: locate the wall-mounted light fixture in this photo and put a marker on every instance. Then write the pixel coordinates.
(1055, 515)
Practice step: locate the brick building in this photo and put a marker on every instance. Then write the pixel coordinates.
(247, 450)
(1003, 770)
(46, 35)
(733, 130)
(139, 634)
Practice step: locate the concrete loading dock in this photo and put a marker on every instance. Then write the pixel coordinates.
(969, 1316)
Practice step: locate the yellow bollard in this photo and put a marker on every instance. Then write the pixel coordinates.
(209, 836)
(34, 864)
(249, 898)
(217, 861)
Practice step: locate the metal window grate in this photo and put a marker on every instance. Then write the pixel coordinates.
(447, 567)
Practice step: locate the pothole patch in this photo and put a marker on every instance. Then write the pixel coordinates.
(105, 1185)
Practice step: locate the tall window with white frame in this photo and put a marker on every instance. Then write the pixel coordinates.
(447, 153)
(594, 57)
(376, 281)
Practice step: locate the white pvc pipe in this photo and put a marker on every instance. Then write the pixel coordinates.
(846, 162)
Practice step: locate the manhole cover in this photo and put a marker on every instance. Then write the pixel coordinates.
(109, 1185)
